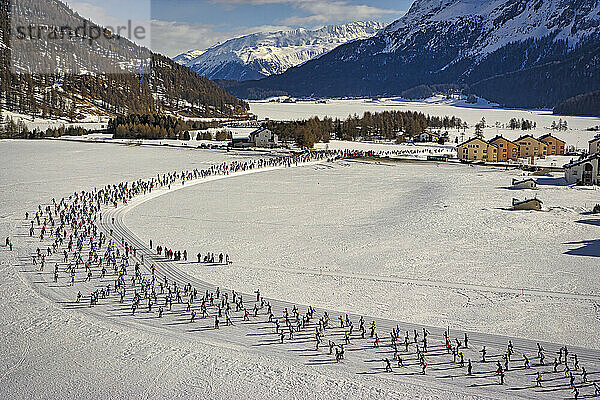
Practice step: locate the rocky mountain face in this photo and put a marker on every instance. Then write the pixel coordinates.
(259, 55)
(525, 53)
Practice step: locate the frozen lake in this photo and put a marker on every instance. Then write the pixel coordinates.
(577, 135)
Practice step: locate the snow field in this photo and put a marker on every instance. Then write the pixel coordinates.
(47, 336)
(430, 244)
(55, 349)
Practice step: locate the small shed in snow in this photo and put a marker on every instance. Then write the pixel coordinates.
(528, 183)
(529, 204)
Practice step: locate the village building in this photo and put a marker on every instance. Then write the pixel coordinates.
(427, 137)
(585, 171)
(437, 136)
(531, 147)
(240, 142)
(477, 149)
(595, 145)
(556, 147)
(507, 150)
(263, 137)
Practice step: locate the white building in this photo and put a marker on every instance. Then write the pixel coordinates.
(263, 137)
(427, 137)
(585, 171)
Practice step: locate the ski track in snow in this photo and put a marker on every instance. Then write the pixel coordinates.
(171, 270)
(442, 284)
(380, 237)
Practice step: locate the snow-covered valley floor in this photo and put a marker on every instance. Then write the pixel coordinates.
(409, 244)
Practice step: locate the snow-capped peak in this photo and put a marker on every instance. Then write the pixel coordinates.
(188, 56)
(262, 54)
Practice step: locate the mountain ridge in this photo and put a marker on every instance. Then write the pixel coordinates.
(264, 54)
(463, 42)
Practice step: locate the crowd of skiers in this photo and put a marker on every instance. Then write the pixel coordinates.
(84, 247)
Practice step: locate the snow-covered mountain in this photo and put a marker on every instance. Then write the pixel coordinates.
(259, 55)
(497, 23)
(186, 57)
(515, 52)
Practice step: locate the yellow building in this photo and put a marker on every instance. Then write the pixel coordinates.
(556, 147)
(531, 147)
(477, 150)
(507, 150)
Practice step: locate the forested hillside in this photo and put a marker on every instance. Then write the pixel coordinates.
(587, 104)
(163, 86)
(155, 126)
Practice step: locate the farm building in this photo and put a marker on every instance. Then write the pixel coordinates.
(263, 137)
(585, 171)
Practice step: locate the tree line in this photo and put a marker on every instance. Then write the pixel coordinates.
(387, 125)
(9, 129)
(523, 124)
(560, 125)
(155, 126)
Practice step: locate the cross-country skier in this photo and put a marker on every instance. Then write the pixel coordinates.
(388, 366)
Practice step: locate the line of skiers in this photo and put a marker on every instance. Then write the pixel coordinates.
(78, 215)
(213, 258)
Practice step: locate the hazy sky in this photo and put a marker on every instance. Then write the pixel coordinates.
(181, 25)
